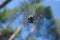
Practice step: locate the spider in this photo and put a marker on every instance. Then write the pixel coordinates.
(30, 19)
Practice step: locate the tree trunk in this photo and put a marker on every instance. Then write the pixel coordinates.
(16, 32)
(4, 3)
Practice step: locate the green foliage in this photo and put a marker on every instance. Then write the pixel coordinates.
(6, 13)
(1, 28)
(39, 10)
(7, 32)
(58, 25)
(37, 1)
(30, 8)
(48, 12)
(32, 38)
(44, 11)
(27, 38)
(34, 6)
(2, 16)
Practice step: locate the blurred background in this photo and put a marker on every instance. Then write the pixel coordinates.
(29, 19)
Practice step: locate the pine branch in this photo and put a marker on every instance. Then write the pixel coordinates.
(16, 32)
(4, 3)
(12, 19)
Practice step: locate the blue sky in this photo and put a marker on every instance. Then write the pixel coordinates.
(55, 5)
